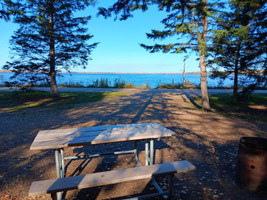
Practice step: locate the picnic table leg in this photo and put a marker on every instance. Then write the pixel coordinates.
(151, 160)
(149, 152)
(54, 196)
(146, 153)
(59, 159)
(136, 154)
(60, 167)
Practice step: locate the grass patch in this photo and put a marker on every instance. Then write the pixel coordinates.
(254, 108)
(19, 100)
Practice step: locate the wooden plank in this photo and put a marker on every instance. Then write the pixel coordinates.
(107, 178)
(57, 133)
(61, 132)
(61, 138)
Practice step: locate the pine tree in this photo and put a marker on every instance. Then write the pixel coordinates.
(186, 20)
(227, 48)
(124, 8)
(48, 40)
(8, 8)
(240, 44)
(190, 22)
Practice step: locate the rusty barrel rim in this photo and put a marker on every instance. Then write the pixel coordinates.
(254, 142)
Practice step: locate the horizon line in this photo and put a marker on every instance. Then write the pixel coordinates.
(132, 72)
(8, 71)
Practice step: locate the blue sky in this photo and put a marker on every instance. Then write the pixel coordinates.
(119, 49)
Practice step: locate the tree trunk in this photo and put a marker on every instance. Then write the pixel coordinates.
(53, 84)
(236, 74)
(184, 72)
(235, 82)
(202, 62)
(203, 83)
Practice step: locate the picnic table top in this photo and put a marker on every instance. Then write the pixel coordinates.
(60, 138)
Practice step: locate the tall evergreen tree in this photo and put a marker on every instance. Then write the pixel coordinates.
(187, 20)
(190, 22)
(240, 44)
(49, 39)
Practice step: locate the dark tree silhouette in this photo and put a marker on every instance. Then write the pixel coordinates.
(49, 39)
(191, 22)
(239, 45)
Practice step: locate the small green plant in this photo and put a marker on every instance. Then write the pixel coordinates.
(189, 85)
(130, 85)
(118, 83)
(94, 84)
(146, 86)
(104, 83)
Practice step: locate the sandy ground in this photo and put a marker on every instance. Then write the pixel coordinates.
(208, 140)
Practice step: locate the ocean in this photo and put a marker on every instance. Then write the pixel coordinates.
(152, 80)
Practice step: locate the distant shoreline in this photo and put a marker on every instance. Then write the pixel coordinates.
(187, 73)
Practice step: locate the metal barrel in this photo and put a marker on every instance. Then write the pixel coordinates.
(252, 164)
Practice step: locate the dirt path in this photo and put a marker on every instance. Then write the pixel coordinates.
(208, 140)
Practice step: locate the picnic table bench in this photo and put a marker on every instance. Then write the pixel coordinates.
(59, 139)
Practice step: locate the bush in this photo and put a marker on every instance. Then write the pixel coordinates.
(130, 85)
(188, 85)
(118, 83)
(71, 85)
(102, 83)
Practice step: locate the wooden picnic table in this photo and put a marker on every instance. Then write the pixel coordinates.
(61, 138)
(58, 139)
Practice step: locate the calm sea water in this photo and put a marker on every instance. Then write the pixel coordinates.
(153, 80)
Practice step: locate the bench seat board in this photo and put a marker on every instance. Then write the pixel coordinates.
(109, 177)
(60, 138)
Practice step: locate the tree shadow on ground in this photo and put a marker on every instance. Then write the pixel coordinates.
(207, 140)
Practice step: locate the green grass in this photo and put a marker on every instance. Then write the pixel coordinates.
(19, 100)
(254, 108)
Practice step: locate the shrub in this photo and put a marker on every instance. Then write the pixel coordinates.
(71, 85)
(188, 85)
(103, 83)
(118, 83)
(130, 85)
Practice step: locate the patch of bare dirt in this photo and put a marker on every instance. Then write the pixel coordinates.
(208, 140)
(259, 107)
